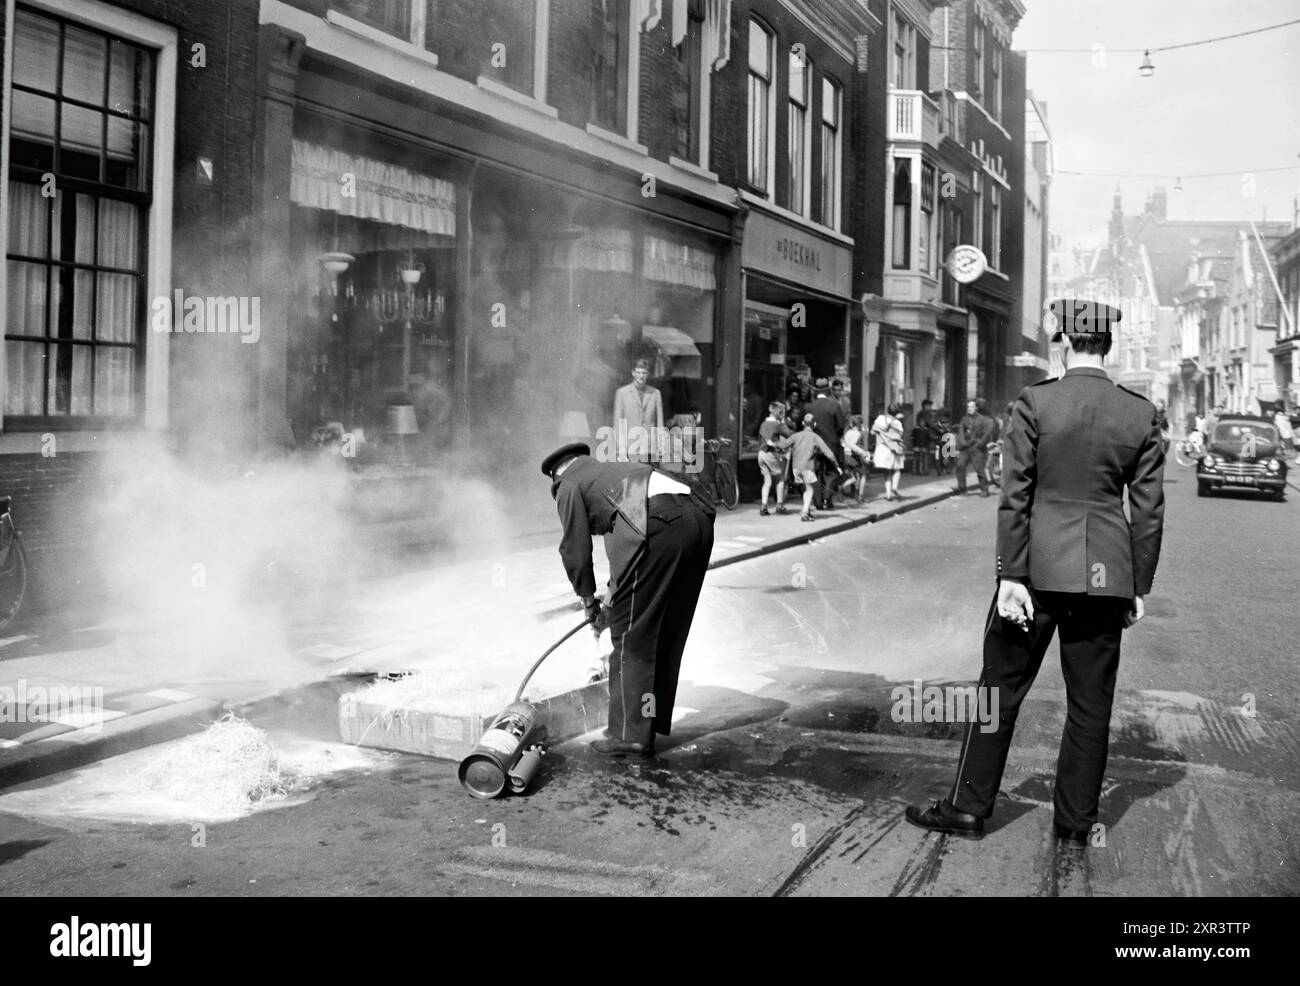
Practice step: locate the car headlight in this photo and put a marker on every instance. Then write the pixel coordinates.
(1274, 465)
(1210, 462)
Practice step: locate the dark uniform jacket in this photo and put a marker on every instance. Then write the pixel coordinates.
(828, 420)
(608, 498)
(1074, 445)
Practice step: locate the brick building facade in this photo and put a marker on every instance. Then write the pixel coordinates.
(95, 212)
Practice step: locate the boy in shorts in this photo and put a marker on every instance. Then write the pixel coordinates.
(773, 463)
(805, 446)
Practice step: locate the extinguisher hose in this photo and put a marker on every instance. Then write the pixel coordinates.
(549, 651)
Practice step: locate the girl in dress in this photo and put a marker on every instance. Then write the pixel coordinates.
(888, 429)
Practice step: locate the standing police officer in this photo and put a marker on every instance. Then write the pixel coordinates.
(1067, 558)
(658, 538)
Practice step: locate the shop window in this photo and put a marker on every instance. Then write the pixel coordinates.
(832, 151)
(81, 111)
(514, 45)
(762, 47)
(902, 216)
(610, 65)
(688, 90)
(800, 76)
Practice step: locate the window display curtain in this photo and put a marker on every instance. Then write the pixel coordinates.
(386, 193)
(604, 248)
(679, 264)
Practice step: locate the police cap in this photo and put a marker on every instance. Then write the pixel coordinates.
(563, 453)
(1077, 315)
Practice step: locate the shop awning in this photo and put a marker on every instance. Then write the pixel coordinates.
(324, 178)
(671, 342)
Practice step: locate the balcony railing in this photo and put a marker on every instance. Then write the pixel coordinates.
(913, 116)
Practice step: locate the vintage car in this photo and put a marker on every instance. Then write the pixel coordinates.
(1244, 453)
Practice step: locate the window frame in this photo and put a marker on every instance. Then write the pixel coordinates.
(904, 67)
(977, 57)
(702, 91)
(153, 267)
(801, 206)
(996, 67)
(926, 249)
(767, 189)
(995, 226)
(541, 54)
(832, 191)
(901, 206)
(629, 71)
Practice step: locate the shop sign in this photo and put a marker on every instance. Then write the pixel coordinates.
(791, 253)
(966, 264)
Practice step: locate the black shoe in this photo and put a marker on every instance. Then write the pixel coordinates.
(623, 748)
(1071, 839)
(943, 817)
(764, 512)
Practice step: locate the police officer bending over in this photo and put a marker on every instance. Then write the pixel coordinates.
(658, 538)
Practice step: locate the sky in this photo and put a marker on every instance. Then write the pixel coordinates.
(1231, 106)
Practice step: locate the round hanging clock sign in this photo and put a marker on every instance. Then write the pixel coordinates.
(967, 263)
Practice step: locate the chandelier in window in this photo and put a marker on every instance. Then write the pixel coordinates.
(402, 298)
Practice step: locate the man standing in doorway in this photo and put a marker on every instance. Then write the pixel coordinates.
(638, 416)
(1067, 557)
(829, 421)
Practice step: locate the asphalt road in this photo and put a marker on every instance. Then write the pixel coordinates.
(789, 770)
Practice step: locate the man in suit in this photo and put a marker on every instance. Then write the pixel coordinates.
(638, 416)
(1067, 558)
(829, 421)
(658, 538)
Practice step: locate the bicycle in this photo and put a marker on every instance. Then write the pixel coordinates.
(1189, 451)
(722, 485)
(993, 467)
(13, 566)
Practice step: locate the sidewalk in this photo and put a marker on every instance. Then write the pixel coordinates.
(73, 694)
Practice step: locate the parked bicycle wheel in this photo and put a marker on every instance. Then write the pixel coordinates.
(13, 573)
(724, 480)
